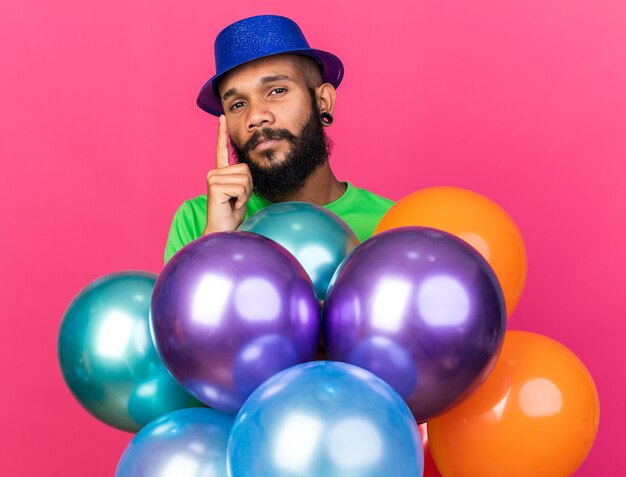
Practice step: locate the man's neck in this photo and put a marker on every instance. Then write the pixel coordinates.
(321, 188)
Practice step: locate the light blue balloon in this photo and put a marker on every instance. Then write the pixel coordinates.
(183, 443)
(319, 239)
(107, 356)
(326, 419)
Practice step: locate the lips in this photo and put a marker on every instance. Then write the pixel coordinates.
(266, 144)
(268, 138)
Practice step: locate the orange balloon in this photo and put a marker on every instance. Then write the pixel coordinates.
(472, 217)
(535, 415)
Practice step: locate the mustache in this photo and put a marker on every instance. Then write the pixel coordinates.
(266, 135)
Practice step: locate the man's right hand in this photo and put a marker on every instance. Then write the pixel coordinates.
(228, 188)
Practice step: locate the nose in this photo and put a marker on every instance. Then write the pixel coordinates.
(259, 116)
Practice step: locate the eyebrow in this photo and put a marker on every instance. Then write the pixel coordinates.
(271, 79)
(264, 80)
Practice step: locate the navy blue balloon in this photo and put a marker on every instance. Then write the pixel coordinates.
(184, 443)
(325, 419)
(421, 309)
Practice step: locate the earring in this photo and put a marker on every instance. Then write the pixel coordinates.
(326, 118)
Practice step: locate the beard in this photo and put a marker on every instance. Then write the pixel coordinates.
(308, 151)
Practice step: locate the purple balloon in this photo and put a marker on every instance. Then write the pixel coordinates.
(422, 310)
(230, 310)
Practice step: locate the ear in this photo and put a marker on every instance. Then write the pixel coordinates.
(326, 95)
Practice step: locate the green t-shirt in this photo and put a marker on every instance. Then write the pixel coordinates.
(359, 208)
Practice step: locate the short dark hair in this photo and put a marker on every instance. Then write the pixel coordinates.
(312, 70)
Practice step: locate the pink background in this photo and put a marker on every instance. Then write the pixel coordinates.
(100, 141)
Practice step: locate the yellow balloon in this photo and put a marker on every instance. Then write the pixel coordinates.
(535, 415)
(474, 218)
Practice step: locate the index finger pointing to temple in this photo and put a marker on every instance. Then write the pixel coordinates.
(222, 153)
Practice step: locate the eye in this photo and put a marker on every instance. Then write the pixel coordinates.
(236, 105)
(276, 91)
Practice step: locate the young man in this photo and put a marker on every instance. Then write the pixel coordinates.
(274, 95)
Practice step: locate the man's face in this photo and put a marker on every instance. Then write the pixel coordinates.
(274, 123)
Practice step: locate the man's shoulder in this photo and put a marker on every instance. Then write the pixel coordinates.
(187, 224)
(193, 201)
(368, 197)
(192, 206)
(361, 209)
